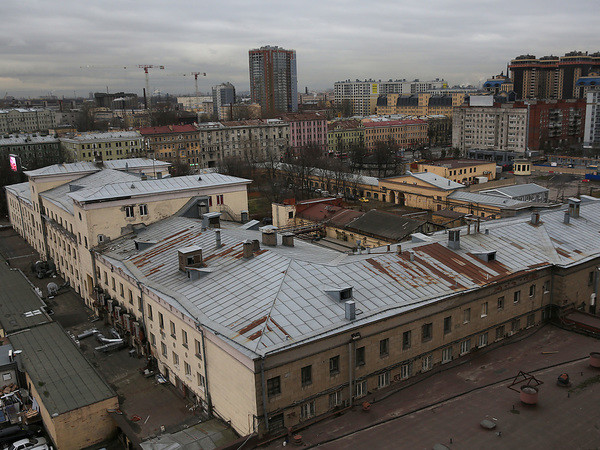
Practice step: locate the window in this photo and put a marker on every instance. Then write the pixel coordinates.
(161, 321)
(163, 349)
(143, 210)
(426, 332)
(219, 199)
(484, 309)
(335, 399)
(426, 362)
(500, 332)
(114, 286)
(187, 368)
(546, 287)
(306, 375)
(273, 386)
(150, 312)
(515, 325)
(532, 290)
(446, 355)
(307, 410)
(175, 359)
(590, 278)
(184, 338)
(465, 346)
(140, 305)
(152, 340)
(406, 370)
(530, 320)
(384, 347)
(198, 348)
(500, 303)
(334, 365)
(447, 324)
(130, 294)
(200, 379)
(467, 315)
(121, 290)
(483, 340)
(406, 338)
(360, 389)
(129, 211)
(360, 356)
(383, 379)
(517, 297)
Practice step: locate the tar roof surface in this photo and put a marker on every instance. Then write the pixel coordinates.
(59, 370)
(385, 225)
(17, 298)
(277, 299)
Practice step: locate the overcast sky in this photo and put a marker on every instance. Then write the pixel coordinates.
(44, 44)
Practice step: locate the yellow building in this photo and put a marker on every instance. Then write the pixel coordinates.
(404, 133)
(342, 135)
(107, 145)
(465, 171)
(421, 104)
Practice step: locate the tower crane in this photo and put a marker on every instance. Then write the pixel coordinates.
(148, 95)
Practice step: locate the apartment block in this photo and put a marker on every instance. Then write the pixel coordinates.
(554, 123)
(223, 95)
(422, 104)
(592, 119)
(177, 143)
(306, 129)
(342, 135)
(35, 151)
(107, 145)
(363, 95)
(21, 120)
(404, 133)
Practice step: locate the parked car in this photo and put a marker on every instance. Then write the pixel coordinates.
(363, 199)
(30, 444)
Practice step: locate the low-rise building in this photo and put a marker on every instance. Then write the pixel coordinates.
(342, 135)
(465, 171)
(403, 133)
(33, 150)
(530, 192)
(106, 145)
(176, 143)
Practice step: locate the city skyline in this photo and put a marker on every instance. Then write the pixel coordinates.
(72, 47)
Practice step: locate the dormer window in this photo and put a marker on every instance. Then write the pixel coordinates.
(339, 293)
(346, 294)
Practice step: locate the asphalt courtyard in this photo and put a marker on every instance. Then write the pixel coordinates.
(447, 407)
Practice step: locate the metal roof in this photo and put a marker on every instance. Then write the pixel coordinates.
(21, 139)
(103, 136)
(87, 166)
(20, 307)
(380, 224)
(484, 199)
(65, 380)
(21, 190)
(277, 299)
(517, 190)
(436, 180)
(154, 186)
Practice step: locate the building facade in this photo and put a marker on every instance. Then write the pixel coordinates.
(223, 95)
(273, 79)
(592, 119)
(363, 95)
(21, 120)
(465, 171)
(501, 128)
(554, 123)
(342, 135)
(33, 150)
(176, 143)
(306, 129)
(404, 133)
(107, 145)
(421, 104)
(552, 76)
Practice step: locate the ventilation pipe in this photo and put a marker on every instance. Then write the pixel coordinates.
(567, 218)
(288, 239)
(269, 237)
(574, 207)
(248, 249)
(218, 243)
(454, 239)
(535, 218)
(350, 309)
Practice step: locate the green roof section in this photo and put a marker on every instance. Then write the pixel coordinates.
(63, 377)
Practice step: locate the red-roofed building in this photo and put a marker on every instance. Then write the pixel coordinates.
(173, 142)
(405, 133)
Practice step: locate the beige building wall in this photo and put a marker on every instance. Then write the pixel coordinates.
(283, 215)
(459, 174)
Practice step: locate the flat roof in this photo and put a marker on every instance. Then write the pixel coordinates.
(20, 307)
(65, 380)
(22, 139)
(517, 190)
(88, 166)
(457, 163)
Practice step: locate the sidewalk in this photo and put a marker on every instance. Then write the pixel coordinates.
(483, 369)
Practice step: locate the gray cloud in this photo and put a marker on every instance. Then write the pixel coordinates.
(43, 44)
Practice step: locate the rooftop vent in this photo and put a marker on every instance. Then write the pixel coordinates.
(218, 243)
(567, 218)
(195, 273)
(350, 309)
(269, 237)
(288, 239)
(454, 239)
(74, 187)
(143, 245)
(247, 252)
(485, 255)
(535, 218)
(211, 220)
(339, 293)
(144, 177)
(574, 207)
(190, 257)
(411, 255)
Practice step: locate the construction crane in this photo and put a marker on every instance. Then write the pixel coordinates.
(148, 95)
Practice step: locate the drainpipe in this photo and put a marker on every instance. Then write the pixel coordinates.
(143, 311)
(94, 274)
(205, 362)
(264, 390)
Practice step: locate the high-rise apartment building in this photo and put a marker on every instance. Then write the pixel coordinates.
(363, 95)
(273, 79)
(223, 95)
(552, 76)
(591, 136)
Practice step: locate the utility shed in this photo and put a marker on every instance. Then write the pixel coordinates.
(20, 307)
(385, 226)
(72, 396)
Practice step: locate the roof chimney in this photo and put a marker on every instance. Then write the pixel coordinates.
(567, 218)
(269, 237)
(190, 257)
(288, 239)
(218, 243)
(454, 239)
(248, 249)
(98, 159)
(535, 218)
(574, 207)
(350, 309)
